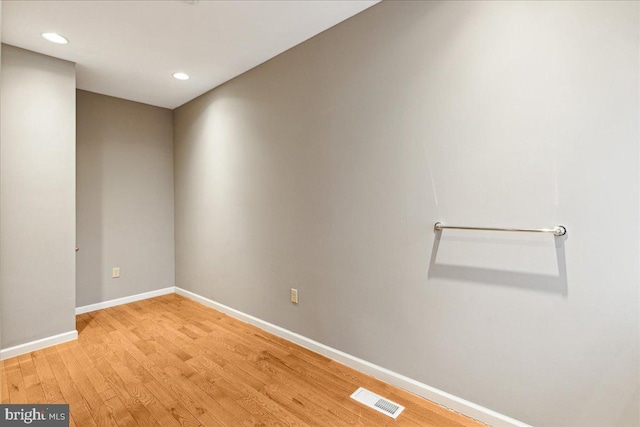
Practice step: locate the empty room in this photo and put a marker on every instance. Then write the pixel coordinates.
(320, 213)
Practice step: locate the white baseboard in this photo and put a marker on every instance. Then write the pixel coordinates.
(72, 335)
(124, 300)
(440, 397)
(17, 350)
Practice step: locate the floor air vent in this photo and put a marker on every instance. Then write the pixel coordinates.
(378, 403)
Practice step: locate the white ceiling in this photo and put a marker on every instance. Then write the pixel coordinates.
(130, 49)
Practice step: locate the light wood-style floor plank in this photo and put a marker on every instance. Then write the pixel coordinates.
(169, 361)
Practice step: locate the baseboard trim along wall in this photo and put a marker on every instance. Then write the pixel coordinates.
(124, 300)
(440, 397)
(17, 350)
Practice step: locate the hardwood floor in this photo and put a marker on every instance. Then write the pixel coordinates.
(169, 361)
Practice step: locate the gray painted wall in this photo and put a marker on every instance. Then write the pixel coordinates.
(125, 198)
(1, 388)
(37, 196)
(326, 168)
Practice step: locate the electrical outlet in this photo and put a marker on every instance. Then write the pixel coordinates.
(294, 296)
(116, 272)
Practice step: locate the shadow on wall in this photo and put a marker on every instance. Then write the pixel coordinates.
(90, 221)
(538, 282)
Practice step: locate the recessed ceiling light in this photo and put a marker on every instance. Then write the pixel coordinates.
(181, 76)
(55, 38)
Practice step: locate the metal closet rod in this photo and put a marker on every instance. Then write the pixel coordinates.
(558, 230)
